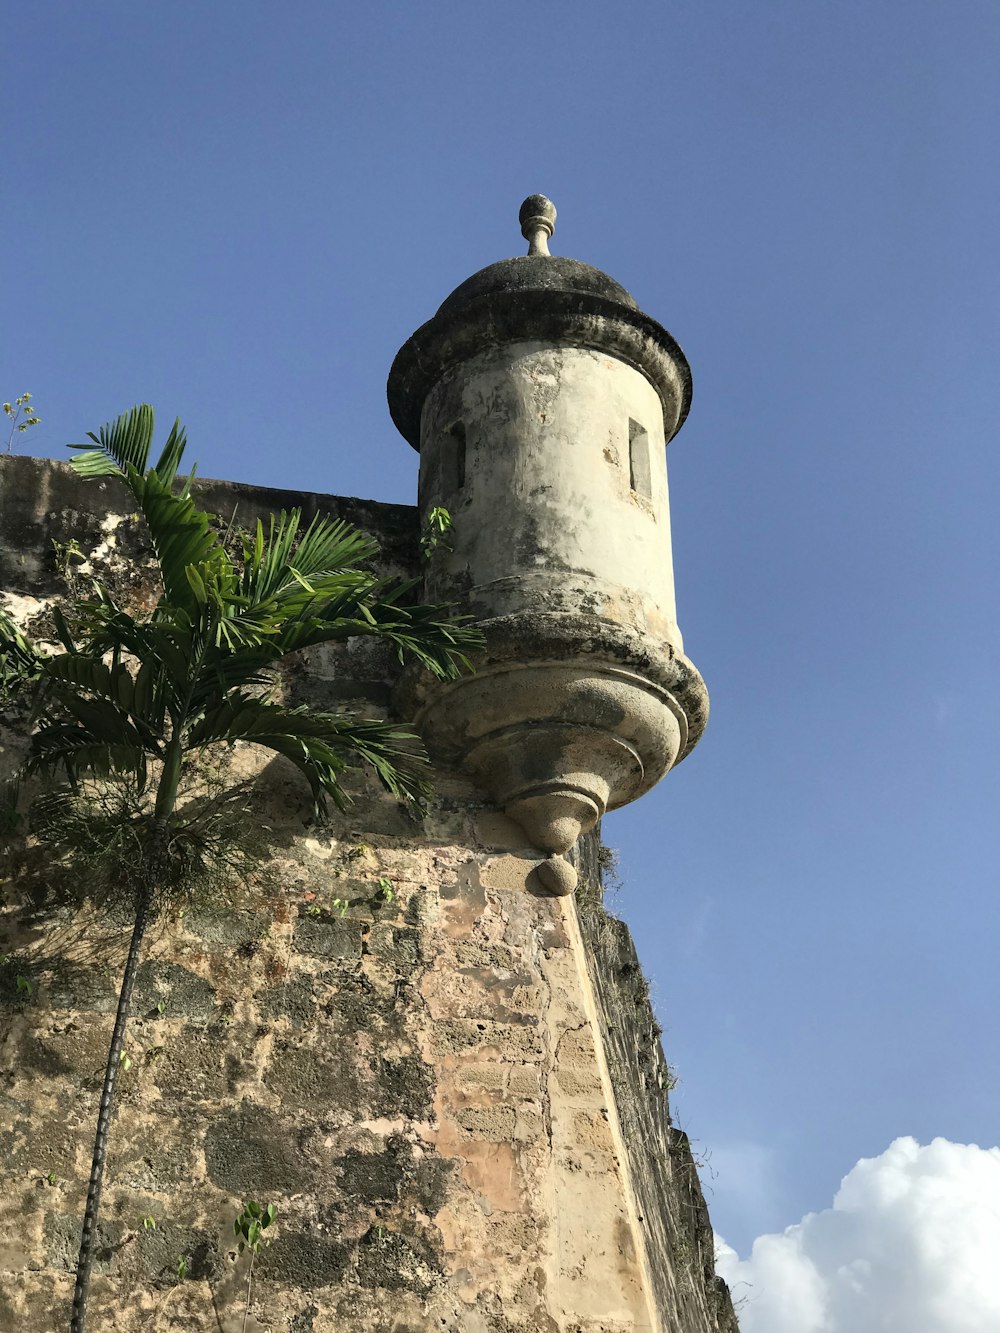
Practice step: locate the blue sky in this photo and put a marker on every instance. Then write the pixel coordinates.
(238, 212)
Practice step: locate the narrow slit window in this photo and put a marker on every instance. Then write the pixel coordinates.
(454, 458)
(638, 461)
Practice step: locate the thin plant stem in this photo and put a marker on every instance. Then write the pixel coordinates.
(161, 1308)
(246, 1312)
(152, 870)
(86, 1255)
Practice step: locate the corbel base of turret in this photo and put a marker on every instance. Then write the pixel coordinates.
(556, 743)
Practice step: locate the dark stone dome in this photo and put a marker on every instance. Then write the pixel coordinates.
(540, 273)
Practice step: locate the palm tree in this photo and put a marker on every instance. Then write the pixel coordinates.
(131, 697)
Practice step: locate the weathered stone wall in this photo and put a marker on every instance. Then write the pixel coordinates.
(453, 1091)
(678, 1234)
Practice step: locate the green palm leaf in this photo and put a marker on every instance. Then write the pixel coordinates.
(331, 546)
(173, 452)
(101, 720)
(442, 643)
(111, 691)
(180, 532)
(230, 669)
(123, 446)
(62, 630)
(279, 563)
(182, 536)
(21, 663)
(321, 745)
(76, 751)
(86, 673)
(161, 644)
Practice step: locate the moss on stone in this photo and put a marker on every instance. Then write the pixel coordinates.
(161, 1247)
(252, 1152)
(294, 1000)
(181, 991)
(226, 926)
(88, 988)
(390, 1261)
(327, 936)
(305, 1259)
(403, 1087)
(62, 1241)
(308, 1077)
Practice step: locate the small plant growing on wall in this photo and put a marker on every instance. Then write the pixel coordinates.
(249, 1227)
(131, 697)
(436, 535)
(181, 1270)
(22, 416)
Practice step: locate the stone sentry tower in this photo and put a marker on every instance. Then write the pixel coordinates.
(541, 400)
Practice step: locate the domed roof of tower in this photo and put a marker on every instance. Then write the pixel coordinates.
(543, 298)
(537, 270)
(547, 273)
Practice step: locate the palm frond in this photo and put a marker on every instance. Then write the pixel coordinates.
(162, 643)
(321, 745)
(61, 746)
(21, 663)
(230, 669)
(170, 458)
(305, 603)
(97, 721)
(87, 673)
(182, 536)
(331, 546)
(281, 561)
(63, 630)
(149, 698)
(122, 446)
(445, 644)
(180, 531)
(111, 697)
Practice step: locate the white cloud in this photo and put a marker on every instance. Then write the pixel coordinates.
(909, 1246)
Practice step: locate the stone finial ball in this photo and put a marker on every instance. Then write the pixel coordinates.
(537, 211)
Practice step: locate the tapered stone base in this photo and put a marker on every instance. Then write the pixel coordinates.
(556, 743)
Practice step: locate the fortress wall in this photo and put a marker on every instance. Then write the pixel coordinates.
(453, 1091)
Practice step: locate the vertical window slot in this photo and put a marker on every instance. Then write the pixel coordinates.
(453, 470)
(638, 461)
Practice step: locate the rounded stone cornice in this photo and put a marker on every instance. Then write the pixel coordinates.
(537, 299)
(526, 639)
